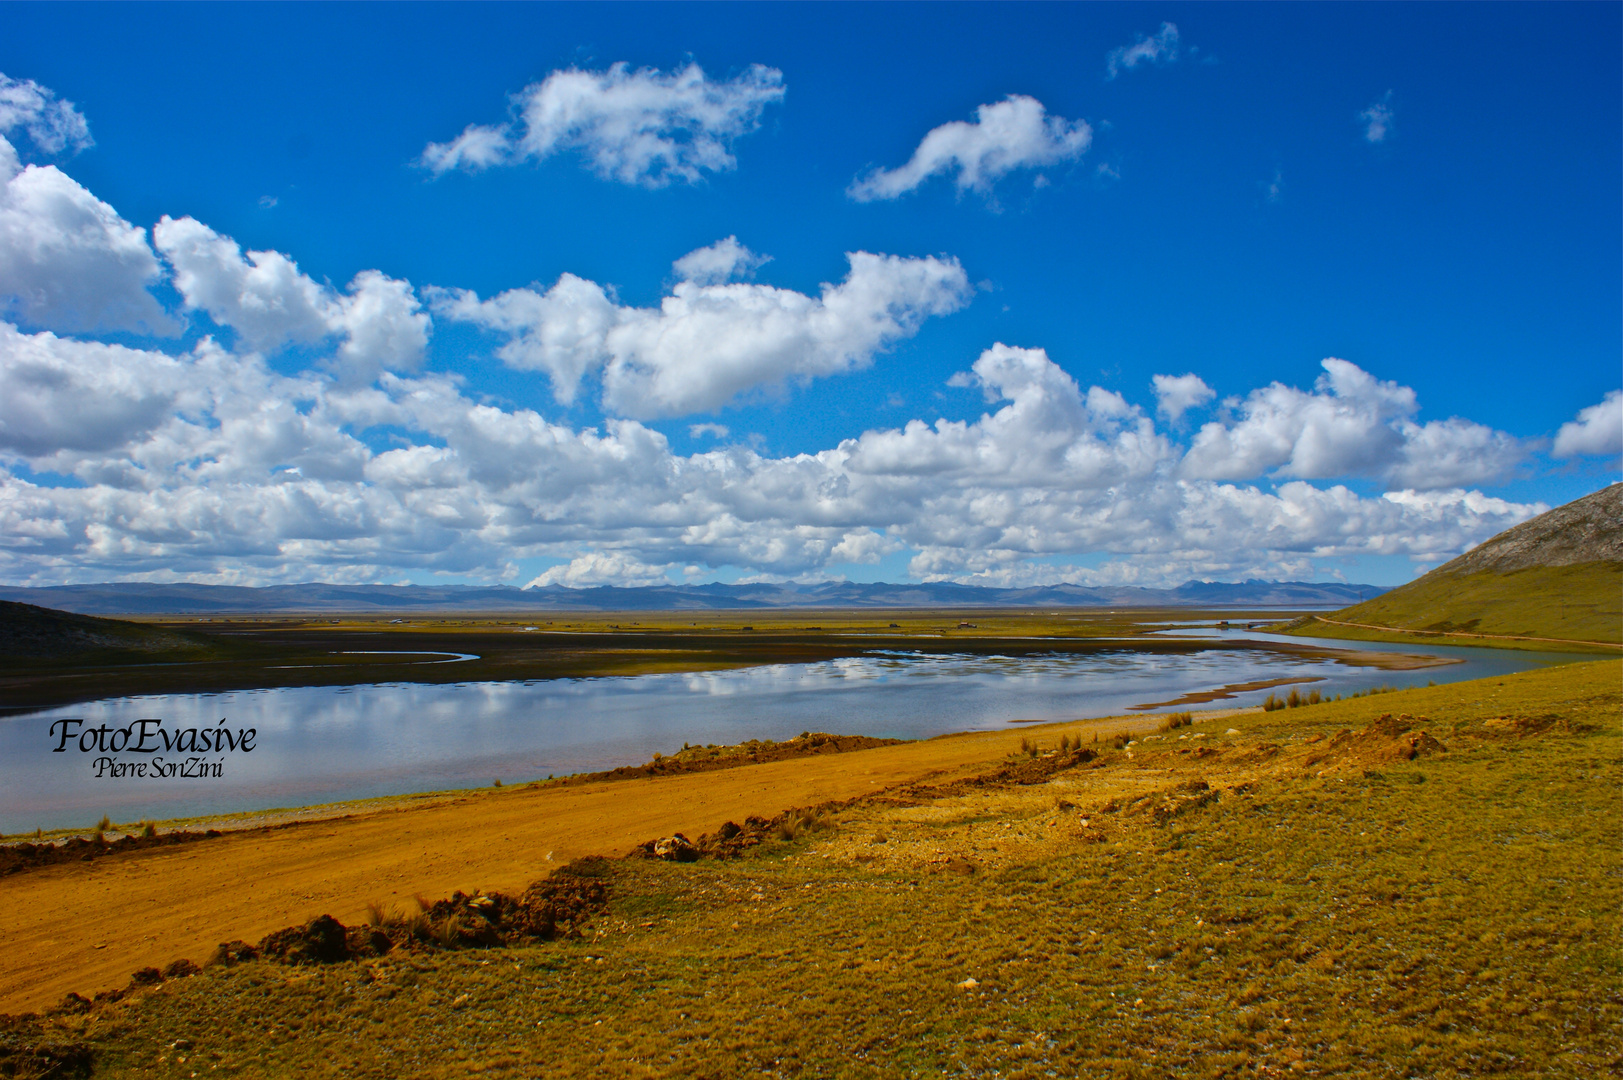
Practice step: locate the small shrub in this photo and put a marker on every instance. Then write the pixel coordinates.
(1294, 701)
(1272, 704)
(149, 831)
(496, 782)
(375, 914)
(104, 824)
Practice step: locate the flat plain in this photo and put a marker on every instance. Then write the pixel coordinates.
(1419, 883)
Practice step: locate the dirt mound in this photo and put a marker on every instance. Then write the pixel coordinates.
(323, 940)
(1524, 726)
(1032, 770)
(1174, 802)
(1388, 739)
(732, 840)
(552, 908)
(15, 858)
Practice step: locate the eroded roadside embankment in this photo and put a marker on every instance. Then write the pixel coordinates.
(85, 926)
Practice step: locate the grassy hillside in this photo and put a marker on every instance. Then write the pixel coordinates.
(1578, 603)
(34, 637)
(1320, 890)
(1559, 575)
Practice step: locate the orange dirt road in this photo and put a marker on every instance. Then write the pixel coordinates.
(86, 927)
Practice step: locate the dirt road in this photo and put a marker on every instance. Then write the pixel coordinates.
(87, 926)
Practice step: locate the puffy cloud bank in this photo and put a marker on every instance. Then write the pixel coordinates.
(212, 466)
(711, 339)
(641, 127)
(307, 438)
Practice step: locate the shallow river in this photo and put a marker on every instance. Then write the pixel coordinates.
(323, 744)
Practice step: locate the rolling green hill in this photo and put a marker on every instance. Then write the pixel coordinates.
(1558, 576)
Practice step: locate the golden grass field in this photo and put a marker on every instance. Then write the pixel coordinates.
(1575, 608)
(1311, 891)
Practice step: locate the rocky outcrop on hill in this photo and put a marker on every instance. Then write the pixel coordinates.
(1585, 530)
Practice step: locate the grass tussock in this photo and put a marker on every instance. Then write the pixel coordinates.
(1174, 721)
(1430, 885)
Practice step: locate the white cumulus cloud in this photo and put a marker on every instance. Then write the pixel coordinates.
(50, 123)
(642, 127)
(710, 341)
(604, 568)
(1160, 47)
(61, 394)
(68, 262)
(210, 466)
(1015, 133)
(1351, 424)
(1177, 394)
(722, 261)
(1597, 431)
(269, 303)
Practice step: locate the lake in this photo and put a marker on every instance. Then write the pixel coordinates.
(324, 744)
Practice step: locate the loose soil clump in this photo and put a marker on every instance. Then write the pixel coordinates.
(1386, 740)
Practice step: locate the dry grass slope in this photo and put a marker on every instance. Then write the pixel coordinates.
(1583, 602)
(1423, 883)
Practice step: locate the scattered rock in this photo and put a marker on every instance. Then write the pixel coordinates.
(234, 952)
(676, 848)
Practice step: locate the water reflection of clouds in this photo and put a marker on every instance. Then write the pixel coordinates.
(328, 743)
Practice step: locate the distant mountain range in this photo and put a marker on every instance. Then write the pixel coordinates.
(144, 598)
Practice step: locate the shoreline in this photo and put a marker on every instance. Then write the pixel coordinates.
(262, 876)
(267, 655)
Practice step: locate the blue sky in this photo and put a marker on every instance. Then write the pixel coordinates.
(1428, 194)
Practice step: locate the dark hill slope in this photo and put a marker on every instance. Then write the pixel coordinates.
(34, 636)
(1559, 575)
